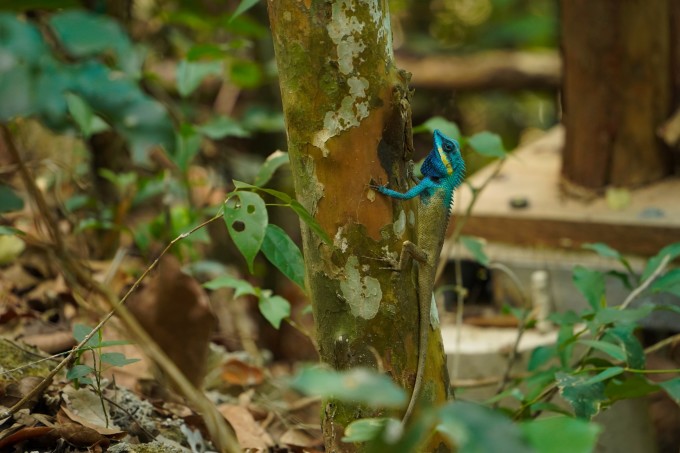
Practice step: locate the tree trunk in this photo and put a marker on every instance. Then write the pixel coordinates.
(348, 121)
(616, 91)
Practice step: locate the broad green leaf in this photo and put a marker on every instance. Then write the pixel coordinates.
(10, 231)
(80, 331)
(222, 126)
(672, 251)
(358, 385)
(449, 128)
(487, 144)
(270, 165)
(586, 400)
(613, 315)
(608, 348)
(540, 356)
(672, 387)
(205, 52)
(78, 371)
(9, 201)
(591, 284)
(476, 247)
(561, 435)
(81, 112)
(668, 283)
(474, 428)
(274, 309)
(603, 250)
(283, 253)
(241, 287)
(188, 146)
(116, 359)
(85, 34)
(246, 221)
(604, 375)
(244, 6)
(245, 73)
(634, 386)
(624, 335)
(190, 74)
(366, 429)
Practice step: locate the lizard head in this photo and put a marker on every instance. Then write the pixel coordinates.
(445, 160)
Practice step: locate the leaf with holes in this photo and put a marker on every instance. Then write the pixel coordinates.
(283, 253)
(274, 309)
(247, 222)
(585, 399)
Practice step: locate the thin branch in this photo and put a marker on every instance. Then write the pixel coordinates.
(637, 291)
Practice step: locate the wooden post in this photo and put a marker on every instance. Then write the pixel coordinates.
(617, 91)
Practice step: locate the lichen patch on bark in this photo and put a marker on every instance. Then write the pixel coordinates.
(362, 293)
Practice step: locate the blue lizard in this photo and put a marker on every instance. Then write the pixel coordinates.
(443, 171)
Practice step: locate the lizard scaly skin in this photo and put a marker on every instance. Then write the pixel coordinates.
(443, 171)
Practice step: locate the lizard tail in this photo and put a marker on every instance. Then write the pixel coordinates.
(420, 370)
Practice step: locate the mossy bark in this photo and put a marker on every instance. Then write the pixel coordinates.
(348, 121)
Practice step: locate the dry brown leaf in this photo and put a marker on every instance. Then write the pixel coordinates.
(249, 433)
(15, 391)
(84, 407)
(81, 436)
(51, 342)
(174, 310)
(302, 438)
(237, 372)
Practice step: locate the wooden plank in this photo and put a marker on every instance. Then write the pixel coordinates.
(648, 222)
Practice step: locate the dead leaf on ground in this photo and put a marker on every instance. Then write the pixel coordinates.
(237, 372)
(302, 438)
(249, 433)
(174, 310)
(84, 407)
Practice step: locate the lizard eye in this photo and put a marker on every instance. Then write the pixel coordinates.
(448, 147)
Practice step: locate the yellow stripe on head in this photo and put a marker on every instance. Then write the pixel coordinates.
(445, 160)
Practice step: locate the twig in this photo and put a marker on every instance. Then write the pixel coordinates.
(637, 291)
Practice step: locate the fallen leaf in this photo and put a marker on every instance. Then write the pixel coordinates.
(248, 432)
(84, 407)
(236, 372)
(302, 438)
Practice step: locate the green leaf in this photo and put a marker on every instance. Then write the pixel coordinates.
(475, 428)
(78, 371)
(80, 331)
(611, 349)
(672, 387)
(358, 385)
(244, 6)
(672, 251)
(634, 386)
(9, 201)
(245, 74)
(613, 315)
(270, 165)
(247, 223)
(624, 335)
(188, 146)
(668, 283)
(450, 129)
(540, 356)
(586, 400)
(604, 375)
(241, 287)
(561, 435)
(116, 359)
(81, 112)
(274, 309)
(366, 429)
(85, 34)
(220, 127)
(10, 231)
(283, 253)
(591, 284)
(476, 247)
(603, 250)
(487, 144)
(190, 74)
